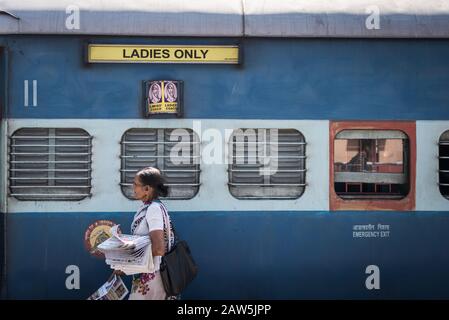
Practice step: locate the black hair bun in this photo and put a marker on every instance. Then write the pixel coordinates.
(162, 190)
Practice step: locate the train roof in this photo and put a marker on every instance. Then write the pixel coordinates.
(229, 18)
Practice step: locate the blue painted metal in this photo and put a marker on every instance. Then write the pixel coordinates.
(279, 79)
(244, 254)
(249, 254)
(3, 104)
(3, 82)
(3, 275)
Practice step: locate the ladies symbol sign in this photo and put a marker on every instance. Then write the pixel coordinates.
(163, 97)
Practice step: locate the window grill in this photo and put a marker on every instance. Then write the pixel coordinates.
(173, 151)
(443, 161)
(267, 164)
(50, 164)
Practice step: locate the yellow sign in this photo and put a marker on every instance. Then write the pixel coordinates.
(104, 53)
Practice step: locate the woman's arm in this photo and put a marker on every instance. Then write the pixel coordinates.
(157, 243)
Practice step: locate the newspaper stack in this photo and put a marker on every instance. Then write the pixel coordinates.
(113, 289)
(130, 254)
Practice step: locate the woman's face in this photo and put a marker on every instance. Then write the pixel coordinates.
(155, 91)
(141, 192)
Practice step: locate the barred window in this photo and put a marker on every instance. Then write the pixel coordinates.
(371, 164)
(173, 151)
(267, 164)
(444, 164)
(50, 164)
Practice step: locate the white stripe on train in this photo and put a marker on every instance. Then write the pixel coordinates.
(213, 194)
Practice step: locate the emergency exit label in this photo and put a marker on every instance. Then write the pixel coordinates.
(371, 230)
(113, 53)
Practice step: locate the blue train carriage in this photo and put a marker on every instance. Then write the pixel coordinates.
(356, 94)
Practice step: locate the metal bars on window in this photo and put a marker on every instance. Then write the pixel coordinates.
(175, 152)
(50, 164)
(443, 161)
(267, 164)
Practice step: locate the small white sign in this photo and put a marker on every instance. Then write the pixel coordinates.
(371, 230)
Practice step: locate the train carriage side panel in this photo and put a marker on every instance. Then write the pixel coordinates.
(251, 255)
(308, 79)
(3, 172)
(245, 248)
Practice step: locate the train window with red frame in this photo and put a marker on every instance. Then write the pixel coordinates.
(371, 164)
(444, 164)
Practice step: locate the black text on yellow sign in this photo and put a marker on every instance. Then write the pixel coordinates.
(108, 53)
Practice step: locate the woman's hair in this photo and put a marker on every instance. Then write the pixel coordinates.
(152, 177)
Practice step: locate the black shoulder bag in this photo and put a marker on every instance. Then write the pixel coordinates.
(177, 268)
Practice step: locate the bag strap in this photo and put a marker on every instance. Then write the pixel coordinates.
(170, 227)
(138, 219)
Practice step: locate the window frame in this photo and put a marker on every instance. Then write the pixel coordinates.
(233, 184)
(197, 140)
(406, 203)
(59, 197)
(351, 177)
(440, 143)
